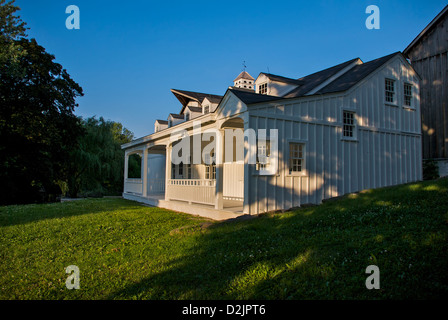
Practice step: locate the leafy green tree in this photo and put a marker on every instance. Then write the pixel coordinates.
(135, 166)
(12, 28)
(38, 128)
(97, 164)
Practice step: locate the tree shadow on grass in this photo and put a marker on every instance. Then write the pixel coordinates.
(316, 253)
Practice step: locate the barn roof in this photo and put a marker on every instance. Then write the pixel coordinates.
(355, 74)
(313, 80)
(275, 77)
(342, 83)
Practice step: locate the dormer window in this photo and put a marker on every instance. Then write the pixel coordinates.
(206, 109)
(187, 116)
(170, 123)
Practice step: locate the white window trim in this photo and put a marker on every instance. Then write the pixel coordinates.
(273, 168)
(412, 106)
(396, 92)
(355, 124)
(210, 164)
(304, 172)
(267, 87)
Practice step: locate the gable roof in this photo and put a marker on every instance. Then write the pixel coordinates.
(252, 97)
(186, 96)
(243, 75)
(355, 75)
(213, 99)
(277, 78)
(195, 109)
(176, 116)
(426, 29)
(315, 79)
(162, 121)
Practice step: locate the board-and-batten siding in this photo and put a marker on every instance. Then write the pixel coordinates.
(434, 100)
(387, 150)
(429, 57)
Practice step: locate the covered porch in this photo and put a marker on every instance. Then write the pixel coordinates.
(213, 190)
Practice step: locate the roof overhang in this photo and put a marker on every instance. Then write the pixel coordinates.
(281, 79)
(183, 98)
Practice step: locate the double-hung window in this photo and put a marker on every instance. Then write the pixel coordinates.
(263, 154)
(348, 124)
(210, 172)
(210, 167)
(407, 94)
(296, 157)
(390, 90)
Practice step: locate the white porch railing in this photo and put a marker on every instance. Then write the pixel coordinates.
(191, 190)
(133, 186)
(156, 186)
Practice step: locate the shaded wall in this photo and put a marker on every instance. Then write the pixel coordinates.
(429, 57)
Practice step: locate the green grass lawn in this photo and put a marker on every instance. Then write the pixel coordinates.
(128, 251)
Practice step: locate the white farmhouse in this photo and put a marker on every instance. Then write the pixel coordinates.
(344, 129)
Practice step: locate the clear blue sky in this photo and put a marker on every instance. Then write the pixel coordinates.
(127, 55)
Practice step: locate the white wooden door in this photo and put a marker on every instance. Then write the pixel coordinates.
(233, 187)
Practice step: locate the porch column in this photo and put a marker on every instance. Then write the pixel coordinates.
(167, 170)
(126, 166)
(144, 171)
(219, 202)
(247, 167)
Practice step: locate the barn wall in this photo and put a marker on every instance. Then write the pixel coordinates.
(386, 151)
(429, 58)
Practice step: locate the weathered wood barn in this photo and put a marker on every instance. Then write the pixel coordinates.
(350, 127)
(428, 54)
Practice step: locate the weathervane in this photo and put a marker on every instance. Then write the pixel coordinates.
(244, 65)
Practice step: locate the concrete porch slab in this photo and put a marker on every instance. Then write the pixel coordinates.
(231, 208)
